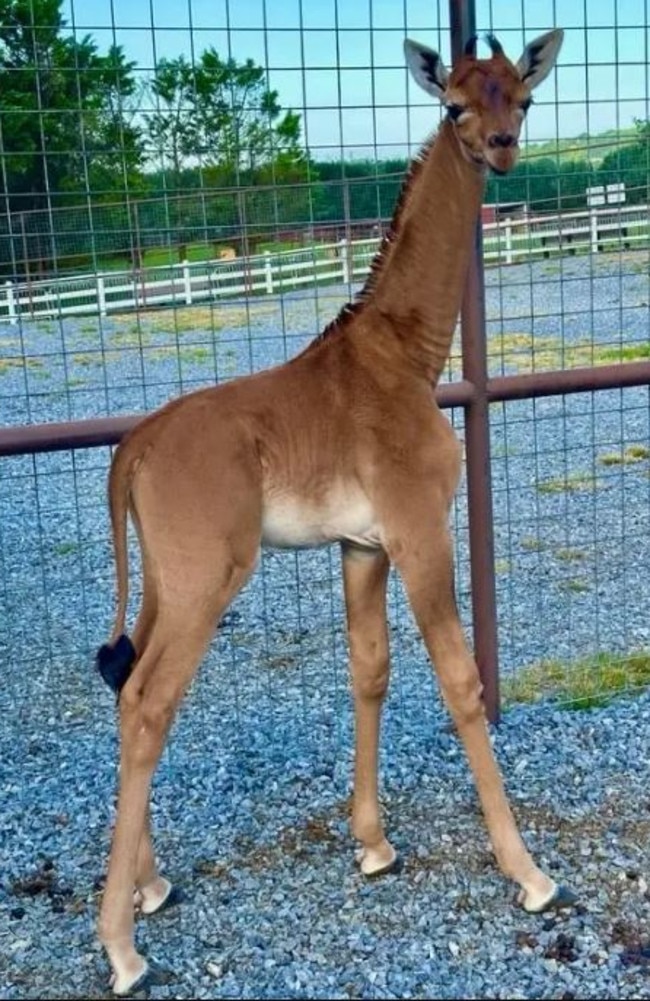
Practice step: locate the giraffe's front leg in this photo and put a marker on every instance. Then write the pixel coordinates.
(423, 556)
(153, 893)
(364, 577)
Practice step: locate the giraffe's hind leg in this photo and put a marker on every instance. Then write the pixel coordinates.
(148, 704)
(199, 527)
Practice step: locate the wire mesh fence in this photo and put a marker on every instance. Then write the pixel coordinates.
(207, 217)
(145, 155)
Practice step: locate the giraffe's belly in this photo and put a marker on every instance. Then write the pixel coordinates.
(344, 514)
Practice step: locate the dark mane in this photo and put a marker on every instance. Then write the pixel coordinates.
(352, 309)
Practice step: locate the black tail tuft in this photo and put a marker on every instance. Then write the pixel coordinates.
(114, 663)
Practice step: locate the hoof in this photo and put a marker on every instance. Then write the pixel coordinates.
(173, 897)
(372, 866)
(561, 896)
(151, 976)
(122, 988)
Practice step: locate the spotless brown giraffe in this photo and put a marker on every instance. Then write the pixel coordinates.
(342, 444)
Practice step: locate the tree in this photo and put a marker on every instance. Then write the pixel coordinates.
(219, 117)
(630, 165)
(222, 115)
(62, 118)
(533, 181)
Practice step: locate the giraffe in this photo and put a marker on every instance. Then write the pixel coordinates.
(343, 443)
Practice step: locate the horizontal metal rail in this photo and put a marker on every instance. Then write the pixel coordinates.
(52, 437)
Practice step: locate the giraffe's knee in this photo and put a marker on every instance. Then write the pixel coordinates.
(371, 676)
(146, 716)
(464, 696)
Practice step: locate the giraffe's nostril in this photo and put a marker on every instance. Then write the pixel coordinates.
(501, 140)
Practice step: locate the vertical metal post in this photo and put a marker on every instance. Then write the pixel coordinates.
(477, 434)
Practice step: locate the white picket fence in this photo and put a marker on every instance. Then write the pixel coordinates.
(508, 241)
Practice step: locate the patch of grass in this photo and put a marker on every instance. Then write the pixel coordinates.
(531, 544)
(87, 358)
(66, 548)
(573, 483)
(625, 352)
(8, 364)
(186, 353)
(570, 555)
(501, 566)
(636, 453)
(525, 353)
(576, 585)
(133, 337)
(630, 455)
(581, 684)
(74, 383)
(192, 318)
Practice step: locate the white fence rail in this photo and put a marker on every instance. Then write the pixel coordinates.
(507, 241)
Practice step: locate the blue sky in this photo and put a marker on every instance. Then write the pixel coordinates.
(340, 63)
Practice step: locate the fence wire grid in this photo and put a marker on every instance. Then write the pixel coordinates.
(122, 185)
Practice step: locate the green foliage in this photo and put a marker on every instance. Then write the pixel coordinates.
(357, 189)
(223, 113)
(62, 114)
(571, 483)
(581, 684)
(631, 165)
(545, 184)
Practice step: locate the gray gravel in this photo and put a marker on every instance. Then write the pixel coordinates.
(255, 831)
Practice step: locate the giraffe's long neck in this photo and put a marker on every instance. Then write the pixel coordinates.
(419, 287)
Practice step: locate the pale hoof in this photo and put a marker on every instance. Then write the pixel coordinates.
(124, 985)
(377, 861)
(156, 898)
(560, 896)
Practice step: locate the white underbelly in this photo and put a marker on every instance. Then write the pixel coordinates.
(345, 514)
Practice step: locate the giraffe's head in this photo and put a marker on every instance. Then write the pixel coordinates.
(486, 99)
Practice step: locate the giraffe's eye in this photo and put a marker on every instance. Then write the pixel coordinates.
(525, 105)
(455, 111)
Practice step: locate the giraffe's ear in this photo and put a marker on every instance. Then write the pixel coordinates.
(538, 58)
(427, 68)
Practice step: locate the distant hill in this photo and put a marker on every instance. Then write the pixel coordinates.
(583, 147)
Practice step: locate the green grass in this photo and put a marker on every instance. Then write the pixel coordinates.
(569, 555)
(628, 456)
(186, 353)
(576, 585)
(87, 358)
(531, 544)
(582, 684)
(593, 148)
(524, 353)
(188, 318)
(8, 364)
(625, 352)
(66, 548)
(155, 257)
(573, 483)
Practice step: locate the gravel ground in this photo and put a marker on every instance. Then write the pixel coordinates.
(258, 838)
